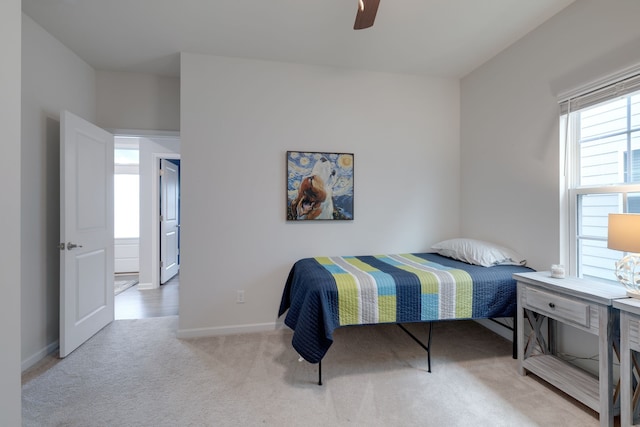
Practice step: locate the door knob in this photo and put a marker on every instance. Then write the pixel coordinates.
(72, 245)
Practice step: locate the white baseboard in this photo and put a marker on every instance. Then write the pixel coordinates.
(228, 330)
(38, 356)
(146, 286)
(503, 331)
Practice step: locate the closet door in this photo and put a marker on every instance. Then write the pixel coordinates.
(169, 220)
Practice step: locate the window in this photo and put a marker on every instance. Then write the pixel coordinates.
(602, 171)
(126, 223)
(126, 156)
(126, 190)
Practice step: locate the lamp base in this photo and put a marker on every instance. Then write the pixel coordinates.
(628, 273)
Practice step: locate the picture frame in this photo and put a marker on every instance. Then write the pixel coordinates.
(320, 186)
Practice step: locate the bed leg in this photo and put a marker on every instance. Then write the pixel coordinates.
(429, 348)
(320, 372)
(426, 347)
(515, 337)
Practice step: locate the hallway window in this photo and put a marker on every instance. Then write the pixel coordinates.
(126, 206)
(126, 156)
(126, 185)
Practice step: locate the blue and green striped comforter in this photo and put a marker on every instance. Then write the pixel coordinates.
(324, 293)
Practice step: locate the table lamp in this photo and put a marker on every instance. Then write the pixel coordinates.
(624, 235)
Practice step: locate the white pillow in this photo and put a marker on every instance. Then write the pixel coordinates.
(478, 252)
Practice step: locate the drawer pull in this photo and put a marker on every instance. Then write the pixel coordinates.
(552, 305)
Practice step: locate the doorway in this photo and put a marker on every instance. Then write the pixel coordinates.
(147, 297)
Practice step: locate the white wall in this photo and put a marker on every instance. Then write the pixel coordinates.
(10, 254)
(239, 117)
(137, 101)
(509, 122)
(53, 79)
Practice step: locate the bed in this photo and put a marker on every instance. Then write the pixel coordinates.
(322, 294)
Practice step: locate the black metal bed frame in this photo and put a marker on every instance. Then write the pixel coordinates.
(427, 346)
(514, 331)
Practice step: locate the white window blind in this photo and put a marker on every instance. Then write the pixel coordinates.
(588, 97)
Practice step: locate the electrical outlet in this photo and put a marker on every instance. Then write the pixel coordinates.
(240, 297)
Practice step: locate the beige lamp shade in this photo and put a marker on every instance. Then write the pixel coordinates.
(624, 232)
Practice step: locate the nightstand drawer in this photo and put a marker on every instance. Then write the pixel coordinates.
(634, 333)
(558, 307)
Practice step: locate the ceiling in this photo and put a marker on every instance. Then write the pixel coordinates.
(445, 38)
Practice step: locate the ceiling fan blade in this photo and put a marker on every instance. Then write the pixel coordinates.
(365, 18)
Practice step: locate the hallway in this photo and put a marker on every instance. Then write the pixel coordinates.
(136, 304)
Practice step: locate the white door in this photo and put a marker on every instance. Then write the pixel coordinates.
(86, 231)
(169, 219)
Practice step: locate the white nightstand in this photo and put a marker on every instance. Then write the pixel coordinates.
(629, 348)
(583, 304)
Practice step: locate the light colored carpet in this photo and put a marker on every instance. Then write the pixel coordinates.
(137, 373)
(120, 286)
